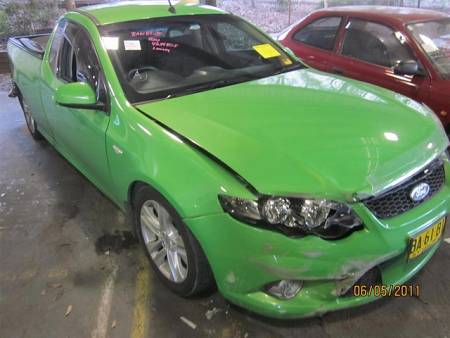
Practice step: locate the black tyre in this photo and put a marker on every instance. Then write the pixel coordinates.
(29, 119)
(174, 253)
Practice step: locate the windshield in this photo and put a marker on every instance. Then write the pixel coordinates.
(434, 38)
(167, 57)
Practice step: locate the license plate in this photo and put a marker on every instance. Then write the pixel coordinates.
(425, 239)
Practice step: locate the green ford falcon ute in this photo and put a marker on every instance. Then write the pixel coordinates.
(240, 167)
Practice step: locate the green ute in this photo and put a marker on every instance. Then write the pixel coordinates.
(289, 189)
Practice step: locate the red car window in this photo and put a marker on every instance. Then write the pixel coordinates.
(375, 43)
(320, 33)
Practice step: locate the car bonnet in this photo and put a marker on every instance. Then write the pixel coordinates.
(306, 133)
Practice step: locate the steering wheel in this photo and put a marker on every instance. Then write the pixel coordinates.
(135, 71)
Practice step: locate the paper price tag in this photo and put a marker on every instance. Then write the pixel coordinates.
(132, 44)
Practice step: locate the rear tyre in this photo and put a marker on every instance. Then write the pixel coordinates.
(29, 119)
(175, 255)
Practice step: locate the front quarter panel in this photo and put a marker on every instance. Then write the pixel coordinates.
(439, 101)
(139, 150)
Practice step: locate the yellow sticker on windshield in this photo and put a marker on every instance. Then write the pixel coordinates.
(266, 50)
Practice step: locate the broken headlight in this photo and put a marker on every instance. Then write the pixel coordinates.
(294, 216)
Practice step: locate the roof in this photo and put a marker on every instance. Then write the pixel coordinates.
(137, 10)
(402, 15)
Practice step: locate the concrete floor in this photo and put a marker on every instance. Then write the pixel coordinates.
(69, 269)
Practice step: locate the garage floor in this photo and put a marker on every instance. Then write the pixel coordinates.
(68, 267)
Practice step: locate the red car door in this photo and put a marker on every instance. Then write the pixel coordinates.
(315, 41)
(369, 51)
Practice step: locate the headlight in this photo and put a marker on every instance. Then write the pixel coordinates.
(294, 216)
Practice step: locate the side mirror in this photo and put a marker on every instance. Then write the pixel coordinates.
(408, 67)
(78, 95)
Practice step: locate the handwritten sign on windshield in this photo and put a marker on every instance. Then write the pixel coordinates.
(162, 46)
(156, 40)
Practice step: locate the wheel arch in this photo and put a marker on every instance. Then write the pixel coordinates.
(132, 188)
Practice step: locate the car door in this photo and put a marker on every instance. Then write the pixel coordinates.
(79, 133)
(370, 51)
(315, 42)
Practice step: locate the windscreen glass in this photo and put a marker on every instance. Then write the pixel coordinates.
(167, 57)
(434, 38)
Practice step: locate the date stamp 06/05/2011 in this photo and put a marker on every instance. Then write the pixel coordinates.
(381, 290)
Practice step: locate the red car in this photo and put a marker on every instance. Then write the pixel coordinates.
(402, 49)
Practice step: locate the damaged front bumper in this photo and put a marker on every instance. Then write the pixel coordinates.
(245, 259)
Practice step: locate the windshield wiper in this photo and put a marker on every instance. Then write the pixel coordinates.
(295, 66)
(230, 81)
(211, 85)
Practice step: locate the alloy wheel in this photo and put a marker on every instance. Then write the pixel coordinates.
(163, 241)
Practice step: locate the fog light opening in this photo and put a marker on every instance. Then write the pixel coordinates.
(285, 289)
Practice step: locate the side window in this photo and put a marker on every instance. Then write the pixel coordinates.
(79, 62)
(375, 43)
(233, 38)
(320, 33)
(66, 62)
(57, 41)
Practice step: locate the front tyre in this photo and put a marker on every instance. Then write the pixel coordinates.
(174, 253)
(29, 119)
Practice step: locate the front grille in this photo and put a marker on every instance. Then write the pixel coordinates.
(397, 201)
